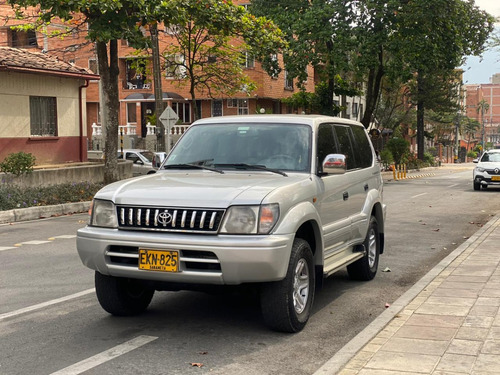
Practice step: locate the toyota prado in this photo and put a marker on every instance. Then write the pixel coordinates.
(276, 201)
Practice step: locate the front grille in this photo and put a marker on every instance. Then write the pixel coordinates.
(169, 219)
(190, 260)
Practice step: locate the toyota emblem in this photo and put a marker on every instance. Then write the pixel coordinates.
(164, 218)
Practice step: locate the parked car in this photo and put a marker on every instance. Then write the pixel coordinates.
(158, 158)
(142, 161)
(275, 201)
(487, 171)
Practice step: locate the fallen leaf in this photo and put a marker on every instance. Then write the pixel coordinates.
(387, 305)
(195, 364)
(203, 353)
(386, 269)
(436, 230)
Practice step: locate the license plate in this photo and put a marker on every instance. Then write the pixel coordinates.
(158, 260)
(495, 178)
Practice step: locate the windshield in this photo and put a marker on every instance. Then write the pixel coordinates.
(239, 146)
(493, 157)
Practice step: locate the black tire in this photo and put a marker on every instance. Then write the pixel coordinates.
(366, 268)
(477, 185)
(286, 304)
(120, 296)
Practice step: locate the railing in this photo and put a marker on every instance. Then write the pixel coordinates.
(130, 129)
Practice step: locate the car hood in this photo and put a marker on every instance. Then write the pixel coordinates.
(197, 188)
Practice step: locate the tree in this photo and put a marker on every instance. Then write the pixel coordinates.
(207, 55)
(433, 39)
(470, 129)
(482, 107)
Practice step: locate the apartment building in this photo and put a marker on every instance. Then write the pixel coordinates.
(490, 118)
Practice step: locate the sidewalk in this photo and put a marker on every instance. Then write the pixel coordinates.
(447, 323)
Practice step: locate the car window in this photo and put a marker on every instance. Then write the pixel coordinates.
(344, 139)
(364, 155)
(148, 155)
(491, 157)
(326, 142)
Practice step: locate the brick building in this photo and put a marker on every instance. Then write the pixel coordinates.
(490, 93)
(136, 91)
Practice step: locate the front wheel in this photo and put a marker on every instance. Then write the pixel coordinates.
(286, 304)
(366, 268)
(477, 185)
(120, 296)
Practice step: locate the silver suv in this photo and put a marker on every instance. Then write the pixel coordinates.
(276, 201)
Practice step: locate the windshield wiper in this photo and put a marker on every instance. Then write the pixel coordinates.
(252, 166)
(191, 166)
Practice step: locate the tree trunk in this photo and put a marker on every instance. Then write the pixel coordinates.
(373, 90)
(420, 118)
(159, 105)
(108, 70)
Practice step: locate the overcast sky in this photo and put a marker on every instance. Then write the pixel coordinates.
(480, 70)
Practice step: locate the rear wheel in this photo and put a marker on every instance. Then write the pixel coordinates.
(121, 296)
(366, 267)
(286, 304)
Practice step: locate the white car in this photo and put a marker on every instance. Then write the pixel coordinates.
(142, 160)
(275, 201)
(487, 171)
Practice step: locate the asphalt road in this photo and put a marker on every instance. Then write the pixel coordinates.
(196, 333)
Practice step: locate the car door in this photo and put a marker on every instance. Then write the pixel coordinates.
(334, 209)
(354, 142)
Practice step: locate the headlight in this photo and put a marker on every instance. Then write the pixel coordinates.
(103, 214)
(250, 219)
(479, 169)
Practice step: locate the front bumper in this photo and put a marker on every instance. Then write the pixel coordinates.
(204, 259)
(486, 180)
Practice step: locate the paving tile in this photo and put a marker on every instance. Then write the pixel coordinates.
(465, 293)
(468, 279)
(426, 333)
(472, 333)
(484, 310)
(404, 345)
(435, 320)
(478, 321)
(488, 301)
(494, 333)
(461, 285)
(474, 270)
(487, 363)
(385, 372)
(466, 347)
(455, 301)
(403, 362)
(456, 363)
(490, 293)
(428, 308)
(491, 347)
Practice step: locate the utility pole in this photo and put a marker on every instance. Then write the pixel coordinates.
(159, 107)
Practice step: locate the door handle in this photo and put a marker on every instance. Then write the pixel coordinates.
(345, 195)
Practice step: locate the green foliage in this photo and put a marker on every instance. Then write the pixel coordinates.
(398, 147)
(472, 154)
(386, 158)
(18, 163)
(12, 197)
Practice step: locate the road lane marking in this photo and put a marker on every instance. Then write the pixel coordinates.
(63, 236)
(105, 356)
(418, 195)
(45, 304)
(34, 242)
(453, 185)
(2, 248)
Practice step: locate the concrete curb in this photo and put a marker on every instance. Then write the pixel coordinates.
(40, 212)
(344, 355)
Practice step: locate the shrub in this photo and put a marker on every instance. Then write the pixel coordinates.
(13, 197)
(386, 158)
(18, 163)
(472, 154)
(398, 148)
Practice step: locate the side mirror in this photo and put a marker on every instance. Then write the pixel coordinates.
(334, 164)
(475, 161)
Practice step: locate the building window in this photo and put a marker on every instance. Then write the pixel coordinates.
(93, 66)
(249, 60)
(288, 81)
(131, 113)
(232, 103)
(242, 107)
(183, 110)
(172, 29)
(22, 38)
(43, 116)
(174, 66)
(217, 107)
(355, 110)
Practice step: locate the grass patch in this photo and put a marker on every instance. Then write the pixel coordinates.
(15, 197)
